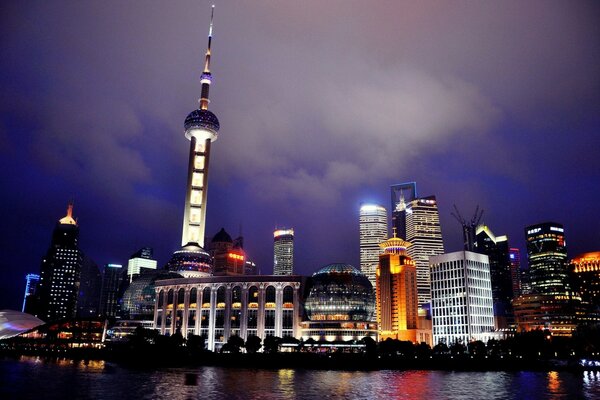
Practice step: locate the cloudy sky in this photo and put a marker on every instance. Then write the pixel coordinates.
(323, 105)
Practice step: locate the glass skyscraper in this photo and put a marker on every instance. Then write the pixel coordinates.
(547, 254)
(283, 252)
(423, 230)
(373, 231)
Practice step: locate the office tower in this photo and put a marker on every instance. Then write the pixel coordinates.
(423, 230)
(283, 252)
(586, 268)
(201, 128)
(497, 250)
(250, 268)
(90, 284)
(31, 282)
(396, 292)
(461, 298)
(402, 194)
(547, 255)
(373, 231)
(228, 256)
(112, 277)
(57, 291)
(514, 256)
(141, 259)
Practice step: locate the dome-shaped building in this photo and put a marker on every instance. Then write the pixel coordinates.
(340, 305)
(191, 261)
(139, 298)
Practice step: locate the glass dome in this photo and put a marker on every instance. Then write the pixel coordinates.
(138, 299)
(191, 261)
(340, 292)
(202, 119)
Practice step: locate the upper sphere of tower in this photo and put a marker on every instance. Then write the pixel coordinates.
(202, 123)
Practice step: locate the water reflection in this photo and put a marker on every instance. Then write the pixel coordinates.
(95, 379)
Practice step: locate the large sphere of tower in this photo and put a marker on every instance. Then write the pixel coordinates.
(202, 124)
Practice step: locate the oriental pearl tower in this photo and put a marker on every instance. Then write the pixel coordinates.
(201, 129)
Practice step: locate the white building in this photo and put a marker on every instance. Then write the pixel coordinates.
(373, 231)
(221, 306)
(140, 259)
(461, 298)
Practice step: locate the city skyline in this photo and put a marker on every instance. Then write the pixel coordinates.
(502, 135)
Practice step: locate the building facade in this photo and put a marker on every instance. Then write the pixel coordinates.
(586, 268)
(218, 307)
(514, 256)
(339, 306)
(396, 288)
(402, 194)
(497, 250)
(373, 230)
(283, 252)
(461, 298)
(112, 279)
(31, 282)
(58, 288)
(423, 230)
(143, 258)
(228, 256)
(547, 255)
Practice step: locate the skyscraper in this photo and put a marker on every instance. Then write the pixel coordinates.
(90, 285)
(396, 290)
(143, 258)
(112, 277)
(514, 256)
(201, 128)
(57, 291)
(402, 194)
(228, 257)
(423, 230)
(547, 255)
(373, 231)
(31, 282)
(497, 250)
(461, 298)
(283, 252)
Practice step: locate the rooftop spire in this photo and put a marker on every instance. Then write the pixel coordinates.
(206, 78)
(68, 219)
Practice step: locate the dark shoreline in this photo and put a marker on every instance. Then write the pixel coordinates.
(306, 360)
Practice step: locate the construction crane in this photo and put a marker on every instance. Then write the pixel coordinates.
(469, 227)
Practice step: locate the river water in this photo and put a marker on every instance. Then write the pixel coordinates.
(35, 378)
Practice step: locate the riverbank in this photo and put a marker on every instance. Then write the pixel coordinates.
(304, 360)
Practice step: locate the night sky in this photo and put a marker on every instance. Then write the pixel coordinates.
(323, 105)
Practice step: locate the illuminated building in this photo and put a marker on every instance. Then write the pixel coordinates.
(201, 128)
(143, 258)
(461, 298)
(220, 306)
(12, 323)
(402, 194)
(514, 256)
(373, 231)
(31, 282)
(423, 230)
(547, 255)
(586, 268)
(57, 291)
(228, 257)
(112, 278)
(339, 306)
(397, 303)
(550, 303)
(497, 250)
(283, 252)
(250, 268)
(556, 313)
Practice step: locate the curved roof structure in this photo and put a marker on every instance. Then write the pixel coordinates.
(13, 323)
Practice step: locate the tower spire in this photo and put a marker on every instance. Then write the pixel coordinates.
(206, 77)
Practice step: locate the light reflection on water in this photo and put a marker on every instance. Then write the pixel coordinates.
(32, 377)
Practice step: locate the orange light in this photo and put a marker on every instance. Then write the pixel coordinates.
(235, 256)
